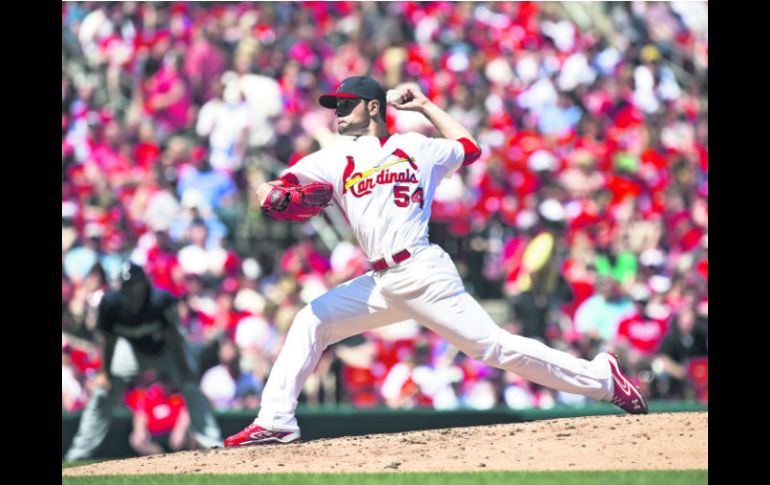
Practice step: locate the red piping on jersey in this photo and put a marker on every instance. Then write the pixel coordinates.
(384, 139)
(401, 153)
(289, 180)
(349, 168)
(472, 151)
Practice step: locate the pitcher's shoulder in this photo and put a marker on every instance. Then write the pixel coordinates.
(412, 137)
(411, 141)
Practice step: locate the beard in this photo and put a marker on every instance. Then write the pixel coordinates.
(354, 128)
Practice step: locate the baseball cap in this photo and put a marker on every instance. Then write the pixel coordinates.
(354, 87)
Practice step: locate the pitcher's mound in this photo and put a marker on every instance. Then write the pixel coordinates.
(652, 442)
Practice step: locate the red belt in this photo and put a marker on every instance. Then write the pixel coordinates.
(381, 264)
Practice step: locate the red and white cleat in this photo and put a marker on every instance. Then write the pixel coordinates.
(626, 395)
(254, 434)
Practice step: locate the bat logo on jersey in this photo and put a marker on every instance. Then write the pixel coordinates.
(361, 184)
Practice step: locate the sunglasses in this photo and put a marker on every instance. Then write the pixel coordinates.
(346, 106)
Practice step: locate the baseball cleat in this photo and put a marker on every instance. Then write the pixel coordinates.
(626, 395)
(254, 434)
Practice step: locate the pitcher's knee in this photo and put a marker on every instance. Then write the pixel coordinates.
(488, 350)
(482, 351)
(491, 356)
(475, 352)
(308, 323)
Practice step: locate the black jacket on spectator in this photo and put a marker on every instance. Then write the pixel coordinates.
(681, 347)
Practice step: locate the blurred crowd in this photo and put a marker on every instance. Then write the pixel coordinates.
(587, 215)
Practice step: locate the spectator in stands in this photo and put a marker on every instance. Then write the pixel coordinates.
(84, 303)
(168, 97)
(598, 317)
(160, 420)
(686, 340)
(219, 383)
(212, 187)
(224, 122)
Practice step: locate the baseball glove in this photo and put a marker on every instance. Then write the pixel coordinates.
(298, 203)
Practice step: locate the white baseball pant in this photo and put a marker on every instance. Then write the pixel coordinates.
(427, 288)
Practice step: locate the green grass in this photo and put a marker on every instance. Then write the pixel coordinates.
(675, 477)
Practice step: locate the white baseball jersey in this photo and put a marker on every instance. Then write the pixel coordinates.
(384, 189)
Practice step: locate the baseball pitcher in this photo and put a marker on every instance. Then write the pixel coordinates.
(384, 183)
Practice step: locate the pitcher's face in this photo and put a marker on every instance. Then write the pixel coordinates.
(352, 116)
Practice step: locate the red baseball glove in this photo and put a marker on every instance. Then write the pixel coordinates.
(298, 203)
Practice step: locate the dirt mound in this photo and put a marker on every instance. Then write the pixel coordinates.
(653, 442)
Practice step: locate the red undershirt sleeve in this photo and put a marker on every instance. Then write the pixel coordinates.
(472, 151)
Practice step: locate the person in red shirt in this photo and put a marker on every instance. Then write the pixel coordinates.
(167, 97)
(639, 335)
(159, 416)
(204, 61)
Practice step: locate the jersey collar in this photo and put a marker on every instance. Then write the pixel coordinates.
(383, 139)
